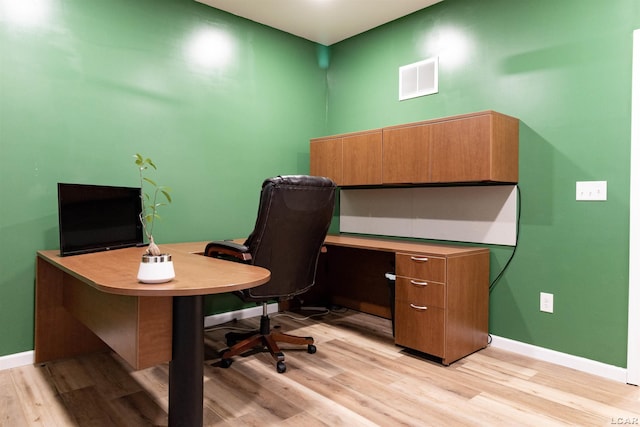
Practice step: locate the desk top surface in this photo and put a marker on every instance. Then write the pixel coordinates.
(116, 271)
(395, 245)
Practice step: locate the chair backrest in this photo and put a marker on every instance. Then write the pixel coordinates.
(294, 215)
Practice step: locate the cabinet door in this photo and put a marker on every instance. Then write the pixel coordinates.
(461, 150)
(405, 155)
(362, 159)
(326, 158)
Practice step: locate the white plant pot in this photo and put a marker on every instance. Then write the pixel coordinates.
(156, 269)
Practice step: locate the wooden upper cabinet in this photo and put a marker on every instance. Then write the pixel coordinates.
(405, 155)
(477, 147)
(326, 158)
(362, 158)
(349, 159)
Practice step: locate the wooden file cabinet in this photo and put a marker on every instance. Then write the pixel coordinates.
(442, 302)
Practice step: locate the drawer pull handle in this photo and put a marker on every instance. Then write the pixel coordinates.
(419, 259)
(415, 282)
(418, 307)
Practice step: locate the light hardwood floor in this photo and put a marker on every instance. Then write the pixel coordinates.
(357, 378)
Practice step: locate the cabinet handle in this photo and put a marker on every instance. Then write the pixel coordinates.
(419, 259)
(418, 307)
(415, 282)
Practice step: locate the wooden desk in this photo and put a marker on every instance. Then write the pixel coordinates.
(440, 298)
(92, 302)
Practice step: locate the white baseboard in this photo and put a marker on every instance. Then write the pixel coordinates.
(17, 359)
(563, 359)
(216, 319)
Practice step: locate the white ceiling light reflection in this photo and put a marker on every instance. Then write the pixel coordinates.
(210, 48)
(28, 13)
(451, 45)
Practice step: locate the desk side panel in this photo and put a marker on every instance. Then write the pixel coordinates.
(155, 329)
(58, 334)
(467, 322)
(123, 321)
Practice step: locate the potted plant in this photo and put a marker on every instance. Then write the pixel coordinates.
(155, 266)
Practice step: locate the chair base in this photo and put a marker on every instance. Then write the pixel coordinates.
(265, 338)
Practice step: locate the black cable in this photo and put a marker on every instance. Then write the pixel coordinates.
(499, 276)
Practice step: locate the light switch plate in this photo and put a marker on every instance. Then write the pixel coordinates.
(591, 190)
(546, 302)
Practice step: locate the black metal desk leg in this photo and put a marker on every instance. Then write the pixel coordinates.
(185, 369)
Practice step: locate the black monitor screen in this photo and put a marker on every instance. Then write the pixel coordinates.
(97, 218)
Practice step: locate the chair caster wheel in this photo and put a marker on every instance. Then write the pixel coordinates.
(311, 349)
(281, 367)
(225, 363)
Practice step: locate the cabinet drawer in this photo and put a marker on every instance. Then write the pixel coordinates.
(420, 292)
(421, 267)
(419, 328)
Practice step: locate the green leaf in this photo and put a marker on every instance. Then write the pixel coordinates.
(166, 194)
(150, 181)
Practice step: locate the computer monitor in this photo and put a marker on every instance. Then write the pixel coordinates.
(96, 218)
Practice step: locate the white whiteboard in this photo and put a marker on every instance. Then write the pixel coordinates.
(480, 214)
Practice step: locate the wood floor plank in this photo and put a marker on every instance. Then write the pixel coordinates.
(154, 380)
(88, 408)
(138, 409)
(405, 407)
(10, 408)
(69, 375)
(41, 402)
(239, 382)
(108, 378)
(315, 405)
(526, 397)
(304, 419)
(515, 415)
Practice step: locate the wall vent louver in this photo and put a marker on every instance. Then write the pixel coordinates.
(418, 79)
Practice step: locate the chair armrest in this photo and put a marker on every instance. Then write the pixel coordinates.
(225, 249)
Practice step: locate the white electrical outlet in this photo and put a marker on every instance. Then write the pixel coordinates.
(591, 190)
(546, 302)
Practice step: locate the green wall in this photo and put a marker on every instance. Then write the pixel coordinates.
(564, 69)
(92, 83)
(96, 82)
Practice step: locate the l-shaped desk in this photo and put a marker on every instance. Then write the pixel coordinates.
(93, 302)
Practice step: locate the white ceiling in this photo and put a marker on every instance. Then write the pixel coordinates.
(322, 21)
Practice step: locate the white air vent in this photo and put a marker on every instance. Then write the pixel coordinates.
(419, 79)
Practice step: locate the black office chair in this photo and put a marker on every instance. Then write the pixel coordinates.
(293, 218)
